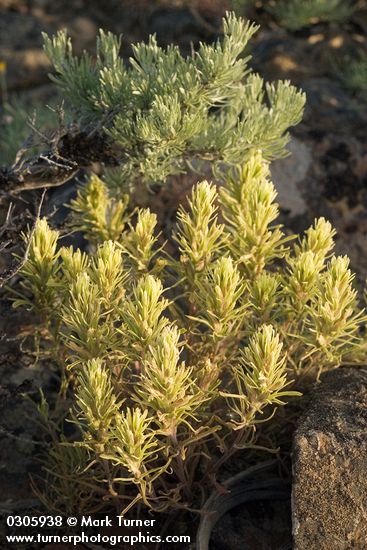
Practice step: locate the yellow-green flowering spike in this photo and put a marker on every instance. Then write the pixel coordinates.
(334, 315)
(133, 442)
(139, 242)
(264, 293)
(167, 385)
(220, 300)
(81, 314)
(39, 273)
(96, 214)
(74, 262)
(318, 239)
(97, 403)
(261, 378)
(107, 272)
(249, 208)
(199, 235)
(302, 278)
(142, 314)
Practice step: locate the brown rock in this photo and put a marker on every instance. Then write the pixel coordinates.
(83, 32)
(21, 50)
(26, 68)
(330, 465)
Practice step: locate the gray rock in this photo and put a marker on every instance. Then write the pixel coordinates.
(331, 107)
(288, 173)
(330, 465)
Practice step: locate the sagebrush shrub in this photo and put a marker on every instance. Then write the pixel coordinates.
(173, 362)
(163, 112)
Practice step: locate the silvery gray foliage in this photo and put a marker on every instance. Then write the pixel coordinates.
(163, 110)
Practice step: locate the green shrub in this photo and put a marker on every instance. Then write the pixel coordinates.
(174, 362)
(295, 14)
(240, 6)
(15, 129)
(353, 73)
(163, 112)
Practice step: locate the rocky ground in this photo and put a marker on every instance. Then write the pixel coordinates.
(325, 175)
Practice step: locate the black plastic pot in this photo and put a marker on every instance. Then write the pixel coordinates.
(253, 484)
